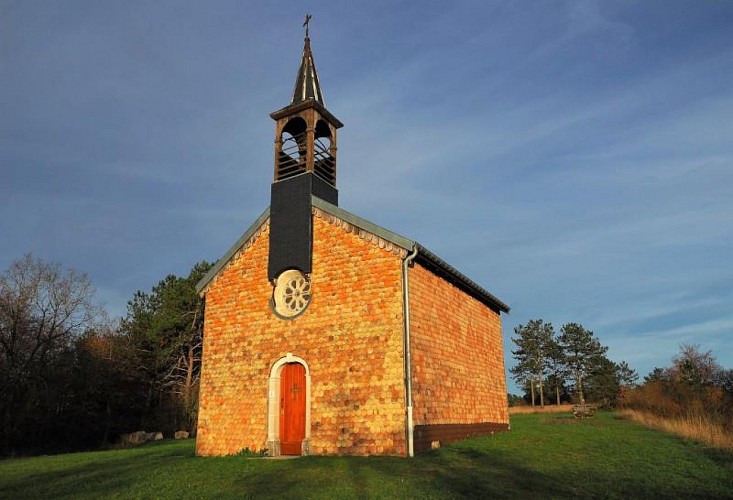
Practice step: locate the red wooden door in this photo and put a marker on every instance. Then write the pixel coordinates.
(292, 408)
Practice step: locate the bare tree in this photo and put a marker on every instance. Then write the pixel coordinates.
(694, 367)
(43, 309)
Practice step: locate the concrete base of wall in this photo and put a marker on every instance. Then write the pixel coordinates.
(433, 436)
(273, 448)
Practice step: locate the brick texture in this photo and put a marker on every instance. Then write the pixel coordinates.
(457, 358)
(350, 336)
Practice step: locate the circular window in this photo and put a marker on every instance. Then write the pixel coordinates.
(292, 293)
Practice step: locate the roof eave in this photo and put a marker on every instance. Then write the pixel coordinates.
(303, 105)
(442, 268)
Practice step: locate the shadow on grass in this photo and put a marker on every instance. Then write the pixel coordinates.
(470, 469)
(723, 458)
(470, 472)
(112, 472)
(449, 473)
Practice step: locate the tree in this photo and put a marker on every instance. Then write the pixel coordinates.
(43, 310)
(601, 385)
(164, 332)
(657, 375)
(104, 390)
(626, 375)
(697, 382)
(524, 378)
(695, 368)
(626, 378)
(582, 352)
(515, 400)
(695, 387)
(532, 343)
(187, 316)
(556, 364)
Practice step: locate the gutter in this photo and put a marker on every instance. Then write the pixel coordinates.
(410, 428)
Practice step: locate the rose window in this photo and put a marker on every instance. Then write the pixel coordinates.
(292, 293)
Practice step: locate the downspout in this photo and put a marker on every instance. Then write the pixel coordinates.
(406, 349)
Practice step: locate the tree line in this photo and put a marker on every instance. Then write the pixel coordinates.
(569, 367)
(694, 387)
(70, 378)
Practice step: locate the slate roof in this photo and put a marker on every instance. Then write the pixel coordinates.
(424, 256)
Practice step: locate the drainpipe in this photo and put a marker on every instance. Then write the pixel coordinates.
(406, 348)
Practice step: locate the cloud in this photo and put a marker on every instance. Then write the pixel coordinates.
(573, 158)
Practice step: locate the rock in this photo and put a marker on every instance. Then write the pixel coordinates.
(133, 438)
(153, 436)
(181, 435)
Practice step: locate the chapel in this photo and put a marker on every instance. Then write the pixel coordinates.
(325, 333)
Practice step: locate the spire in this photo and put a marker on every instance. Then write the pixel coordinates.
(305, 166)
(306, 85)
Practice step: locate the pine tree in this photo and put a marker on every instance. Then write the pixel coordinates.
(583, 352)
(533, 342)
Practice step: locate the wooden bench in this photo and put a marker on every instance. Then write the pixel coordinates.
(584, 411)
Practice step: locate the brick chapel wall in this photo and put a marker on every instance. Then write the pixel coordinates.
(350, 336)
(457, 361)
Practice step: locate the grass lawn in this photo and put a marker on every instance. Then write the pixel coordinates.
(544, 456)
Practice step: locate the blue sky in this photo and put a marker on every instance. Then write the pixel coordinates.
(575, 158)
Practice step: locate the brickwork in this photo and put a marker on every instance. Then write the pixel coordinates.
(457, 358)
(350, 336)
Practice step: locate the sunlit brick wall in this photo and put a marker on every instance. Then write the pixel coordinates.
(457, 359)
(350, 336)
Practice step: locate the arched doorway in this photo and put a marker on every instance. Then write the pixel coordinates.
(292, 409)
(288, 408)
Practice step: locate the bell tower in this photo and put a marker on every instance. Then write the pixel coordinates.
(305, 131)
(305, 166)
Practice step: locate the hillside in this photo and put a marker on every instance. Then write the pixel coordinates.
(548, 455)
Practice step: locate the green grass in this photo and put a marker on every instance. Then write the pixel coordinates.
(544, 456)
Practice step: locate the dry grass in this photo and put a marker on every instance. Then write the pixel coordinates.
(521, 410)
(697, 428)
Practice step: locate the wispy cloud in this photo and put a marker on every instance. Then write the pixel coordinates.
(573, 157)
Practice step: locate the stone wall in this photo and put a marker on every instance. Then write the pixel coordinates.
(350, 336)
(457, 358)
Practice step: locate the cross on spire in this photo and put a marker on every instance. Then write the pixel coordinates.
(305, 24)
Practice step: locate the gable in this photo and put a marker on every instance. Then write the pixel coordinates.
(365, 230)
(372, 233)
